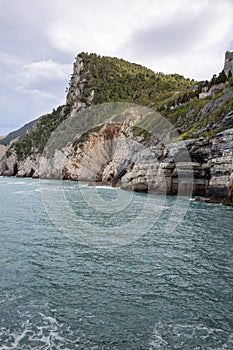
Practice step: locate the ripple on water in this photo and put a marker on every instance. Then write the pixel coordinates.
(166, 290)
(38, 332)
(171, 336)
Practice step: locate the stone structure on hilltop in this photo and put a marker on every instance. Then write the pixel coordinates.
(228, 64)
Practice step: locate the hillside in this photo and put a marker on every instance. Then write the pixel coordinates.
(18, 135)
(110, 117)
(112, 79)
(97, 80)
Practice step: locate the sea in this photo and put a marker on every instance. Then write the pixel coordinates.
(86, 267)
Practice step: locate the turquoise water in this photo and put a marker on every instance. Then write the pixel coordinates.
(164, 290)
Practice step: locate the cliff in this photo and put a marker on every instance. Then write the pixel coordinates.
(185, 147)
(228, 64)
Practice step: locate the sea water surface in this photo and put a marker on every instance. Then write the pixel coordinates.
(164, 290)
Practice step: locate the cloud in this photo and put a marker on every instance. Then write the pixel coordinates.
(99, 27)
(9, 60)
(40, 39)
(46, 69)
(36, 93)
(189, 40)
(29, 90)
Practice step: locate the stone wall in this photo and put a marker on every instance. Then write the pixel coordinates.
(228, 64)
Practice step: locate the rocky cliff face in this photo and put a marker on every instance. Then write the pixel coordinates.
(2, 151)
(112, 155)
(122, 145)
(228, 64)
(75, 97)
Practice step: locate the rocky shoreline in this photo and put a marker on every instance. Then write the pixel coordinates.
(141, 167)
(186, 149)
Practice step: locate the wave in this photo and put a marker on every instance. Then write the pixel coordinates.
(106, 187)
(168, 336)
(45, 333)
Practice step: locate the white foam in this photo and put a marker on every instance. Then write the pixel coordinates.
(180, 334)
(16, 183)
(106, 187)
(46, 333)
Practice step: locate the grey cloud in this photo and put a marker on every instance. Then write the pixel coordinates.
(24, 36)
(22, 101)
(230, 47)
(19, 106)
(170, 38)
(23, 41)
(19, 39)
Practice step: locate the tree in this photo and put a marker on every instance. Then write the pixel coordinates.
(222, 78)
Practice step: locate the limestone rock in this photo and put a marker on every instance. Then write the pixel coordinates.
(3, 150)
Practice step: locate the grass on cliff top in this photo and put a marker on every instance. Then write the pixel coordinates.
(115, 79)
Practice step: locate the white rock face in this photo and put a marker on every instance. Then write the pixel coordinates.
(3, 150)
(75, 94)
(112, 154)
(228, 64)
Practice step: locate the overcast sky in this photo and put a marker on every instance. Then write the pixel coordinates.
(39, 40)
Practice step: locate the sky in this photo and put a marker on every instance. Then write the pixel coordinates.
(39, 40)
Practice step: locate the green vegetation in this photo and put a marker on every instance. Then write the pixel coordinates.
(85, 136)
(36, 141)
(219, 94)
(19, 134)
(117, 80)
(113, 80)
(138, 131)
(197, 104)
(222, 111)
(230, 79)
(213, 120)
(221, 78)
(179, 114)
(8, 153)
